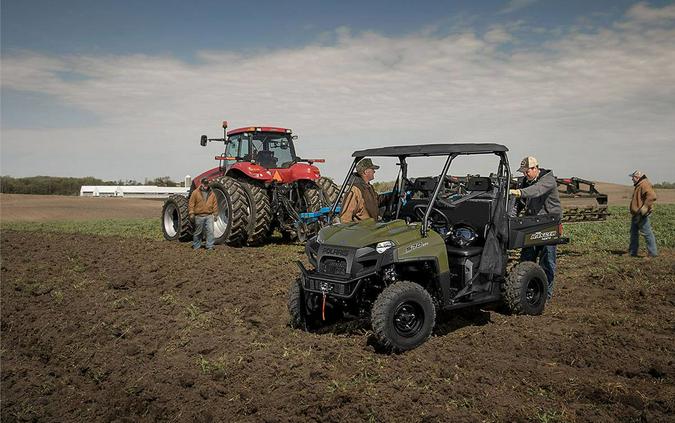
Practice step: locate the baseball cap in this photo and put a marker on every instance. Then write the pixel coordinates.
(637, 174)
(365, 164)
(527, 163)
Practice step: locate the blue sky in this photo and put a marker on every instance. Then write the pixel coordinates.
(136, 83)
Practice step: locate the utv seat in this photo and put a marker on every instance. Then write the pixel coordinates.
(463, 252)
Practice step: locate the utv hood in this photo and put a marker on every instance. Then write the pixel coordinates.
(369, 232)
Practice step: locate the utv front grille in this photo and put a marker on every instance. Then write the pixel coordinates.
(333, 266)
(342, 289)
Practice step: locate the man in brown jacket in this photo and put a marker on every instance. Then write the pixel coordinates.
(641, 206)
(203, 211)
(362, 202)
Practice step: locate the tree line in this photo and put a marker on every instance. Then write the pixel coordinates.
(56, 185)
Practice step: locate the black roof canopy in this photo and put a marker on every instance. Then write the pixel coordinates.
(431, 150)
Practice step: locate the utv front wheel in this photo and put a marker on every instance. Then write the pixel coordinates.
(525, 289)
(296, 306)
(308, 311)
(403, 316)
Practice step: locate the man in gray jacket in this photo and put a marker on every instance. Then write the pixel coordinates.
(538, 194)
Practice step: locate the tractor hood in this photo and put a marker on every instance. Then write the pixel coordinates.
(369, 232)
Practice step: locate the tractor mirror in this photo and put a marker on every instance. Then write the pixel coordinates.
(294, 137)
(203, 140)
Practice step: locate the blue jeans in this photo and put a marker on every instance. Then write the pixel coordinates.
(546, 255)
(640, 225)
(201, 223)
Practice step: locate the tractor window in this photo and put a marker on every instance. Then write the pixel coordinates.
(232, 149)
(278, 151)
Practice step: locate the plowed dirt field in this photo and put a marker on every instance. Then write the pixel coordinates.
(118, 329)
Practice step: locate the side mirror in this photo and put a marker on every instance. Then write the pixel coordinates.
(294, 137)
(203, 140)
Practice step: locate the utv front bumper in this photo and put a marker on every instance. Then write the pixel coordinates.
(339, 271)
(318, 283)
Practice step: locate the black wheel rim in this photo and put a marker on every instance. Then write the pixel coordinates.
(534, 291)
(408, 319)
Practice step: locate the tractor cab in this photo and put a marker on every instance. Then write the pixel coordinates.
(271, 148)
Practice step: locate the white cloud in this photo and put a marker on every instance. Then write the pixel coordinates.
(514, 5)
(591, 104)
(642, 12)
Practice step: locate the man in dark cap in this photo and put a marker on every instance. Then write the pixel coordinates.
(362, 202)
(203, 211)
(641, 206)
(538, 194)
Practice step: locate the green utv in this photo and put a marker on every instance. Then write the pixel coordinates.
(441, 244)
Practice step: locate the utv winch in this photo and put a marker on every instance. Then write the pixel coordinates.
(439, 245)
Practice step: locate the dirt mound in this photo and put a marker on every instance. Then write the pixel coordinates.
(41, 208)
(112, 329)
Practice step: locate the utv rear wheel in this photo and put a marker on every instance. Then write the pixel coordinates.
(175, 219)
(403, 316)
(525, 289)
(260, 212)
(230, 228)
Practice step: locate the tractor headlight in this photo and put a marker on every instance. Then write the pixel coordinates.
(383, 246)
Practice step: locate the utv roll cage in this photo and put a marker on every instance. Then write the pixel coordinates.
(430, 150)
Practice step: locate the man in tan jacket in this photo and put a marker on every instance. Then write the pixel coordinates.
(203, 211)
(362, 202)
(641, 206)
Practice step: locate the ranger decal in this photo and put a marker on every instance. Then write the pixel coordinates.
(415, 246)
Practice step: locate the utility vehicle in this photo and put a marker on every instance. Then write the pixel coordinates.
(441, 244)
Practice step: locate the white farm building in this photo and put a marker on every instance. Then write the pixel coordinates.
(134, 191)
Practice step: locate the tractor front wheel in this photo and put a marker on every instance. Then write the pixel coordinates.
(230, 227)
(176, 223)
(403, 316)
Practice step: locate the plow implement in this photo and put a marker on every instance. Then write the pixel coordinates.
(581, 201)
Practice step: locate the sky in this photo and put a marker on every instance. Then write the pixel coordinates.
(124, 89)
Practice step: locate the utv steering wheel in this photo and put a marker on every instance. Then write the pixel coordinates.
(437, 219)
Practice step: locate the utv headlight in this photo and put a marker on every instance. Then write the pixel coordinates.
(383, 246)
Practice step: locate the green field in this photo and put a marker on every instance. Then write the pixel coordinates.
(612, 234)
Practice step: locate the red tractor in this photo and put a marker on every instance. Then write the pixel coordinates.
(261, 185)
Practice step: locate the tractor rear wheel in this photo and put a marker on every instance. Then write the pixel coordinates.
(260, 212)
(230, 228)
(403, 316)
(330, 190)
(525, 289)
(176, 223)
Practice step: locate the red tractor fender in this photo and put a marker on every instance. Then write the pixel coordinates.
(297, 172)
(251, 170)
(210, 174)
